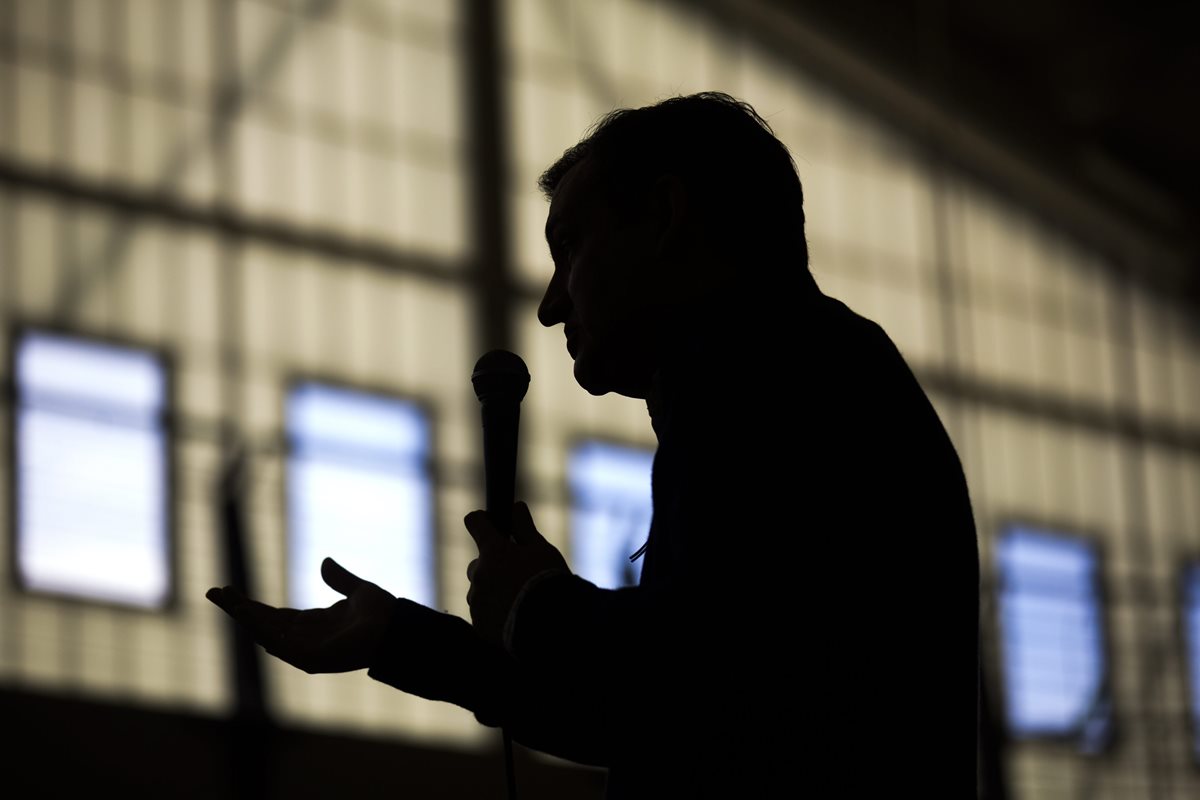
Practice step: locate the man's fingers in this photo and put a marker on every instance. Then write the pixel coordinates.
(267, 624)
(216, 597)
(226, 598)
(486, 537)
(339, 578)
(524, 531)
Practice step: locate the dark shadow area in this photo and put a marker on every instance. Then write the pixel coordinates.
(71, 747)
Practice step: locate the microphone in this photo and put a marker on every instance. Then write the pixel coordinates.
(500, 380)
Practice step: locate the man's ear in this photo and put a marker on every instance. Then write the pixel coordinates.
(670, 213)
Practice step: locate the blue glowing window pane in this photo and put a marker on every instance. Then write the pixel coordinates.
(611, 509)
(1050, 623)
(1192, 627)
(91, 471)
(358, 491)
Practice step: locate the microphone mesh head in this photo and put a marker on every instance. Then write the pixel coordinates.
(500, 375)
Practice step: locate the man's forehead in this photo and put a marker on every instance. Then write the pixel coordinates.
(567, 202)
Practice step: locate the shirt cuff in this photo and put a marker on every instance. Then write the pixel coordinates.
(510, 624)
(432, 655)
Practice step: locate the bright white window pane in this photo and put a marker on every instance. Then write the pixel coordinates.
(1052, 636)
(91, 471)
(610, 511)
(359, 492)
(1191, 616)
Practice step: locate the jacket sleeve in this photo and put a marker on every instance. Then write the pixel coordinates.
(602, 642)
(439, 656)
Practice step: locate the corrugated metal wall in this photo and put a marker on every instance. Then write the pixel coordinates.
(266, 189)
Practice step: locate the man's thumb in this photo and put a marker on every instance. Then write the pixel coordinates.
(339, 578)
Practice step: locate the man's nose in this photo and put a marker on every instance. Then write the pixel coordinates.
(555, 305)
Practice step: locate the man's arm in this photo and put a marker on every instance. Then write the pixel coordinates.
(424, 652)
(440, 657)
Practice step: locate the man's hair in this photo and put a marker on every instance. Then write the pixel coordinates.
(741, 178)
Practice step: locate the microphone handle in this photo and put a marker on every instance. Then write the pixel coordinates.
(501, 421)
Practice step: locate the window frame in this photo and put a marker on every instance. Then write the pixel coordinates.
(1189, 566)
(572, 443)
(295, 378)
(21, 327)
(1072, 741)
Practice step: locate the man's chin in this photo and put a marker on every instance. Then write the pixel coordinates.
(597, 384)
(587, 380)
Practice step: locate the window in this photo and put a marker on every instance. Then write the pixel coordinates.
(1191, 626)
(1054, 670)
(91, 471)
(358, 491)
(610, 511)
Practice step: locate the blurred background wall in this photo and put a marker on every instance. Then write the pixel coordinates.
(291, 226)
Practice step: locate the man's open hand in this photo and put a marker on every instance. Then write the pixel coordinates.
(340, 638)
(503, 567)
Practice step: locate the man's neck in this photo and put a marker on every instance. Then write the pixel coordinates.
(693, 337)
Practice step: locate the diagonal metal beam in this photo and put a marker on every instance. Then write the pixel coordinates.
(230, 100)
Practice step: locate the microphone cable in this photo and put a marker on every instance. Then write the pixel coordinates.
(508, 765)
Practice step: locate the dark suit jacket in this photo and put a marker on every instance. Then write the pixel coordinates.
(807, 618)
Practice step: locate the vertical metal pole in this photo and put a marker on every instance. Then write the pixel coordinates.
(1143, 593)
(251, 742)
(488, 218)
(12, 621)
(487, 149)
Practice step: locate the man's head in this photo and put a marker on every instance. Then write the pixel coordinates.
(658, 211)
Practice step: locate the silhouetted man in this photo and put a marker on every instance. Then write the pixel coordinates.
(806, 621)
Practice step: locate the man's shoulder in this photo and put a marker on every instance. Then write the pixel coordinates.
(823, 358)
(839, 328)
(866, 377)
(847, 362)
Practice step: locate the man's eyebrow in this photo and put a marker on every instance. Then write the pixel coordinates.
(551, 224)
